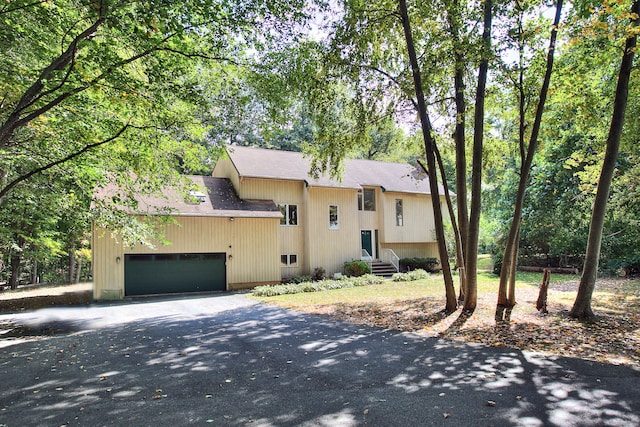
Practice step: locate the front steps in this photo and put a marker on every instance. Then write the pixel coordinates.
(382, 269)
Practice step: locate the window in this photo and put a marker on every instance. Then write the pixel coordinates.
(399, 222)
(333, 217)
(288, 260)
(289, 214)
(367, 199)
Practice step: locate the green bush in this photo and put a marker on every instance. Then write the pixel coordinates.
(319, 273)
(497, 262)
(356, 268)
(323, 285)
(410, 276)
(298, 279)
(415, 263)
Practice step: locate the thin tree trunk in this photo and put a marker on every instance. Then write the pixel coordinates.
(78, 271)
(429, 143)
(15, 270)
(471, 256)
(504, 300)
(582, 305)
(34, 272)
(16, 258)
(454, 21)
(511, 289)
(454, 225)
(72, 262)
(541, 303)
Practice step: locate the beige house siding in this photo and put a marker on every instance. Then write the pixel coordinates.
(418, 220)
(371, 220)
(410, 250)
(330, 248)
(224, 169)
(280, 192)
(250, 244)
(291, 236)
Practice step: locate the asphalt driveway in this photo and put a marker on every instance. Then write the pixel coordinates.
(225, 360)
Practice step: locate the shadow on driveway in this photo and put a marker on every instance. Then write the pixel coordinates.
(225, 360)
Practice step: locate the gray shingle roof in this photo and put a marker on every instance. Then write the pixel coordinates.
(219, 200)
(273, 164)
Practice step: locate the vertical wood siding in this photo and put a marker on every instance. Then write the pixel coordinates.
(372, 220)
(418, 220)
(280, 192)
(252, 243)
(291, 236)
(410, 250)
(224, 169)
(331, 248)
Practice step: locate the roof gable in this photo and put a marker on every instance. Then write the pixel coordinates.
(288, 165)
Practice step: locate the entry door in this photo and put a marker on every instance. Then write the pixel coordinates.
(366, 240)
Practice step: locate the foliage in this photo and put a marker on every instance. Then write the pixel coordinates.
(410, 276)
(319, 273)
(555, 221)
(112, 91)
(427, 264)
(322, 285)
(356, 268)
(298, 279)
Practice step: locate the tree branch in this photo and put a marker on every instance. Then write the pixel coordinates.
(13, 121)
(22, 178)
(24, 6)
(200, 55)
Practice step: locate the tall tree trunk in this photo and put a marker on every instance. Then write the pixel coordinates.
(78, 271)
(505, 300)
(471, 256)
(429, 145)
(454, 224)
(15, 270)
(72, 262)
(454, 21)
(16, 258)
(34, 272)
(582, 305)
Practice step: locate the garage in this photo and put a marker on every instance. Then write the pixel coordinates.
(146, 274)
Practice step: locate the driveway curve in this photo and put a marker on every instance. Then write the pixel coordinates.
(227, 360)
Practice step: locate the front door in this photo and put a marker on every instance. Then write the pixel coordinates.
(367, 241)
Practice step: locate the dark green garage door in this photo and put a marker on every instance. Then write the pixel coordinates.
(174, 273)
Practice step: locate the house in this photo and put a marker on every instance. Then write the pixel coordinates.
(262, 218)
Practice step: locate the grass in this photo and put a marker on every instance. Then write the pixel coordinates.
(417, 306)
(389, 291)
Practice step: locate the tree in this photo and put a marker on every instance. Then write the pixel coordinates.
(506, 291)
(110, 90)
(473, 227)
(430, 148)
(127, 65)
(582, 305)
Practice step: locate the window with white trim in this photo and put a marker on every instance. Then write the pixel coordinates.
(333, 217)
(289, 214)
(289, 260)
(399, 213)
(367, 199)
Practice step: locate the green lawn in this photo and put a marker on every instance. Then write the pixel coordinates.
(389, 291)
(612, 295)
